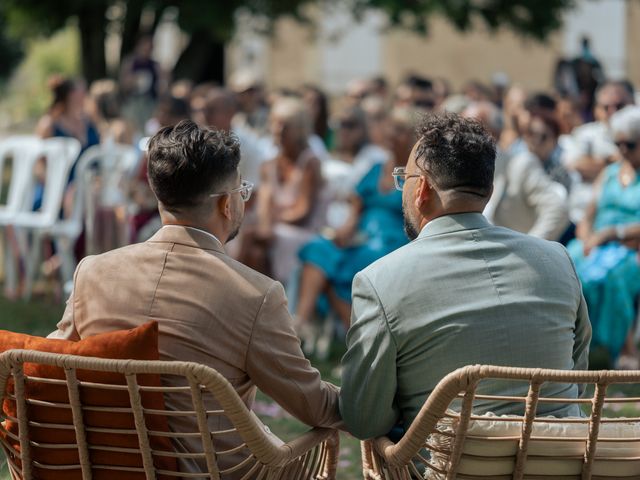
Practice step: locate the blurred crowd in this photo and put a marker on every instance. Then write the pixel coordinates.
(325, 204)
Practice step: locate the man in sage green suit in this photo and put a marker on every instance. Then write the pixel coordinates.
(462, 292)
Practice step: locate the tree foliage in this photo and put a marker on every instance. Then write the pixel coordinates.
(212, 23)
(530, 18)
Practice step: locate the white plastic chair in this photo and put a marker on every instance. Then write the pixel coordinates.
(61, 154)
(24, 150)
(114, 163)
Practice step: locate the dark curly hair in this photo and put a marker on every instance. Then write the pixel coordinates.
(456, 153)
(187, 162)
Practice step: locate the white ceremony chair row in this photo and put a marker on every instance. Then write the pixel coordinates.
(17, 219)
(26, 229)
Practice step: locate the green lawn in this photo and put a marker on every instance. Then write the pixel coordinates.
(40, 318)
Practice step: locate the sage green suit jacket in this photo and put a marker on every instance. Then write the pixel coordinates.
(464, 292)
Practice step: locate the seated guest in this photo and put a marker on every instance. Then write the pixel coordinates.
(377, 116)
(354, 157)
(592, 147)
(318, 106)
(541, 139)
(67, 118)
(462, 292)
(288, 211)
(210, 308)
(525, 198)
(606, 251)
(373, 229)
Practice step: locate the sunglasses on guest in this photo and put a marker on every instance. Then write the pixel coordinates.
(626, 145)
(613, 106)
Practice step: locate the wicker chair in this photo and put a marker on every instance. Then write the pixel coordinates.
(311, 456)
(443, 443)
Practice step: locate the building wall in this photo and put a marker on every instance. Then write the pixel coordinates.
(604, 22)
(338, 49)
(475, 55)
(633, 42)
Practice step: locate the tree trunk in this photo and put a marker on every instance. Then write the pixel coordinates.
(130, 27)
(202, 60)
(92, 22)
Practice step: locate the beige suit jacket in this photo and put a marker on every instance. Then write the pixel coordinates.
(211, 310)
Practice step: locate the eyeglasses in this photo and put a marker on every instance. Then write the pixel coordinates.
(613, 106)
(400, 176)
(629, 146)
(244, 190)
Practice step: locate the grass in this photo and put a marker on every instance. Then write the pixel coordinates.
(40, 318)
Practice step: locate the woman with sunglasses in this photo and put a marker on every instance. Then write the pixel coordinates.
(606, 249)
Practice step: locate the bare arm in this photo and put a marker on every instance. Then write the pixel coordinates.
(309, 187)
(44, 128)
(585, 227)
(346, 232)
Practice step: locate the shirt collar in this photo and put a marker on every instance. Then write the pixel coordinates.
(454, 223)
(190, 236)
(198, 230)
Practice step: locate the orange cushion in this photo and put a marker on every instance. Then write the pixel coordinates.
(140, 343)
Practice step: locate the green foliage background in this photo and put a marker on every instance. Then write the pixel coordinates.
(26, 96)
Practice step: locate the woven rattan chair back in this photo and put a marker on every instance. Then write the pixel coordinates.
(258, 455)
(449, 440)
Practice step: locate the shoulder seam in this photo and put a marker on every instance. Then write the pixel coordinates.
(155, 290)
(384, 312)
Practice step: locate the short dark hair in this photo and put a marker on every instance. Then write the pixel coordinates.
(540, 101)
(456, 153)
(419, 82)
(187, 162)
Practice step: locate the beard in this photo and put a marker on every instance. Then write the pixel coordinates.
(236, 229)
(233, 234)
(409, 227)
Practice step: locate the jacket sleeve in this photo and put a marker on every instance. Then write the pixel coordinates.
(582, 337)
(547, 198)
(278, 367)
(66, 327)
(369, 366)
(582, 328)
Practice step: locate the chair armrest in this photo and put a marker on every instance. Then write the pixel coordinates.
(311, 439)
(374, 451)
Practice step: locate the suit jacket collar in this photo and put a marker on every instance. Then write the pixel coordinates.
(454, 223)
(191, 237)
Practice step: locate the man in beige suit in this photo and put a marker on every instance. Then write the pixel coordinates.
(210, 308)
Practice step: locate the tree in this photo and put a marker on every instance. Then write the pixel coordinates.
(211, 24)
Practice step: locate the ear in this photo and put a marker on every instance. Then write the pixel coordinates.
(422, 193)
(223, 205)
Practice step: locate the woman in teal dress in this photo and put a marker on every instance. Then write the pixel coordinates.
(374, 229)
(605, 252)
